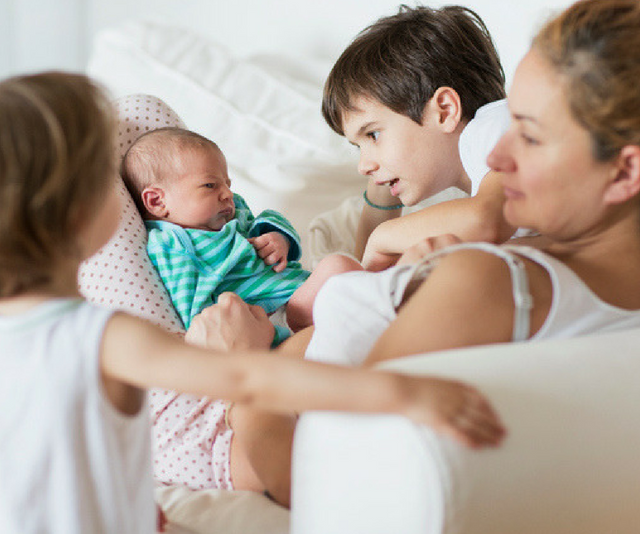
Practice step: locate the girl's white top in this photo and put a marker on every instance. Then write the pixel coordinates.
(69, 462)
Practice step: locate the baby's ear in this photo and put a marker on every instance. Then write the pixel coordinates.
(153, 200)
(625, 183)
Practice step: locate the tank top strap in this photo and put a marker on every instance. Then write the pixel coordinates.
(519, 281)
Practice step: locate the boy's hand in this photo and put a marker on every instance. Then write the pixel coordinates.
(453, 408)
(273, 248)
(426, 246)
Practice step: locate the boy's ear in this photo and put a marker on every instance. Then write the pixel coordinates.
(625, 178)
(153, 200)
(446, 108)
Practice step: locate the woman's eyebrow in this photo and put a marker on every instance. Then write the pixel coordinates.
(528, 118)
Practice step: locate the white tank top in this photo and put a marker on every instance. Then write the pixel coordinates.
(575, 309)
(70, 463)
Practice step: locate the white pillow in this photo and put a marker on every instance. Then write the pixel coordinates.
(267, 120)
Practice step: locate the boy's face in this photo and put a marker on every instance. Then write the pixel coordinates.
(199, 194)
(414, 160)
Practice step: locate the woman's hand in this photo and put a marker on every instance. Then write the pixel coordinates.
(231, 324)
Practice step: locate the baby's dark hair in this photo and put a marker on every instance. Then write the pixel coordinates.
(401, 60)
(151, 158)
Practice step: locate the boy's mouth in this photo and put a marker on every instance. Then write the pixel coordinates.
(393, 186)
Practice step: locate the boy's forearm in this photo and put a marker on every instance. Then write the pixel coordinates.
(470, 219)
(371, 218)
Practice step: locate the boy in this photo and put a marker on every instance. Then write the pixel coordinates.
(421, 93)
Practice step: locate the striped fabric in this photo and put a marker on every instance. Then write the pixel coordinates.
(196, 266)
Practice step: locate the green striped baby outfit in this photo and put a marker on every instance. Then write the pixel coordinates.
(196, 266)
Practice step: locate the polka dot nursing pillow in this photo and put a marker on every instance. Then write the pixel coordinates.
(120, 275)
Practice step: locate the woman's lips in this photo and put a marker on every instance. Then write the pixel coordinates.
(511, 194)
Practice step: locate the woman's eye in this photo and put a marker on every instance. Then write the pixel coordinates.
(529, 140)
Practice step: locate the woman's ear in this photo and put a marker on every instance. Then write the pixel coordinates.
(625, 183)
(445, 107)
(154, 202)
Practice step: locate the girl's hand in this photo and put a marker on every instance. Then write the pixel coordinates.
(231, 324)
(455, 409)
(426, 246)
(273, 248)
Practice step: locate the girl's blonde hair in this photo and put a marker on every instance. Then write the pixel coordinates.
(595, 46)
(57, 136)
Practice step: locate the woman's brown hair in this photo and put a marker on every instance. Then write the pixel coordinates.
(56, 161)
(401, 61)
(595, 46)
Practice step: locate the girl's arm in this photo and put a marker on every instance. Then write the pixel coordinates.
(139, 355)
(478, 218)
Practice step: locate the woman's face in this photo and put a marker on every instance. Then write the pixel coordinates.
(551, 181)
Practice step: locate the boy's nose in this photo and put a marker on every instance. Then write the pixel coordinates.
(500, 159)
(366, 165)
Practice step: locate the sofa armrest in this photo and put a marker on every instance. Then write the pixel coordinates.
(569, 463)
(346, 466)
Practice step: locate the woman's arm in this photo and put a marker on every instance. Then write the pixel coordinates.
(466, 300)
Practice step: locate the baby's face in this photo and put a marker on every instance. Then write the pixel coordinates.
(199, 195)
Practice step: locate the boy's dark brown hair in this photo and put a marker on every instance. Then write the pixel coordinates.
(57, 134)
(401, 60)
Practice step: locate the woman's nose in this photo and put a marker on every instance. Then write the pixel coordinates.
(500, 158)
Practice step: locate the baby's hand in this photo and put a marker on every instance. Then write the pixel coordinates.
(455, 409)
(273, 248)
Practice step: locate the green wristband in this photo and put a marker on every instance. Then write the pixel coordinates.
(378, 206)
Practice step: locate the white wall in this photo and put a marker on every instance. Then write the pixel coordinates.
(39, 34)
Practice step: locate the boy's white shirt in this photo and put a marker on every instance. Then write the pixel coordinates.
(479, 137)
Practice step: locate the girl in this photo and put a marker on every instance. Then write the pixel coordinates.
(74, 427)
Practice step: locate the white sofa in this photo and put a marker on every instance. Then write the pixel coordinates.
(570, 463)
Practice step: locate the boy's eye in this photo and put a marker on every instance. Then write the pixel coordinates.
(373, 135)
(210, 185)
